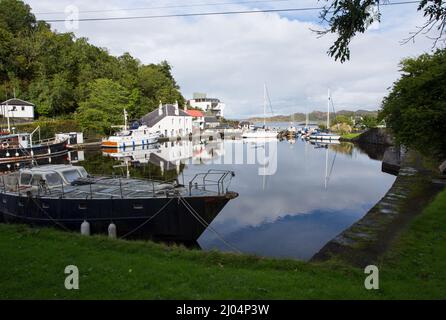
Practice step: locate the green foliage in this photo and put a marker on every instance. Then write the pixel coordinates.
(347, 18)
(369, 121)
(104, 105)
(343, 119)
(56, 71)
(415, 109)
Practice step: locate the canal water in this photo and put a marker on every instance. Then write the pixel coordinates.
(294, 196)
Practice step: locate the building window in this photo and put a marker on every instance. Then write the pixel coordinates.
(23, 108)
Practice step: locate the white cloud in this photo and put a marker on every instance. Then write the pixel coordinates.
(230, 57)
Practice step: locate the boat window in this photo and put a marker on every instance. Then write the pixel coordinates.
(53, 179)
(35, 181)
(71, 175)
(83, 172)
(25, 178)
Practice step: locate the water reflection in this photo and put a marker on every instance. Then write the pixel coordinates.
(317, 191)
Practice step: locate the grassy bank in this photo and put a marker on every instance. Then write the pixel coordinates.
(33, 263)
(350, 136)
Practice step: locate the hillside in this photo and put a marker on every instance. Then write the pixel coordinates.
(314, 116)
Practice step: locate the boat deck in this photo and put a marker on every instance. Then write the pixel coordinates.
(111, 188)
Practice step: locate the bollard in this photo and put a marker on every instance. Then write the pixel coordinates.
(85, 228)
(112, 231)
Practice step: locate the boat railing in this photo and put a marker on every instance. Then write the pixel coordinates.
(213, 178)
(210, 181)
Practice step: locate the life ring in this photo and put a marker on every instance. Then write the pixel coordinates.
(5, 145)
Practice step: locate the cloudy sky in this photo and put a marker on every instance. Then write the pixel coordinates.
(231, 56)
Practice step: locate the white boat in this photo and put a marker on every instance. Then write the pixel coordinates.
(130, 137)
(325, 135)
(261, 132)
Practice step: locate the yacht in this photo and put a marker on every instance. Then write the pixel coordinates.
(262, 132)
(326, 135)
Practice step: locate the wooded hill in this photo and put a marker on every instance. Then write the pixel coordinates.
(64, 75)
(315, 116)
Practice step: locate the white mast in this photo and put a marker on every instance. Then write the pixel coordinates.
(125, 119)
(7, 116)
(328, 110)
(306, 119)
(264, 105)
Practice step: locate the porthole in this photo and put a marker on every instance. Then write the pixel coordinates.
(138, 206)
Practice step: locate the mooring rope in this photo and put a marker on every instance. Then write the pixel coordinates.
(148, 220)
(48, 215)
(206, 225)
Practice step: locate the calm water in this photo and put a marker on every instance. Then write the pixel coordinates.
(314, 193)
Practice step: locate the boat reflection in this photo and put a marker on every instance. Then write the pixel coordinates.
(170, 154)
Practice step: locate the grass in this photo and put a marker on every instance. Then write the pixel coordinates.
(350, 136)
(33, 261)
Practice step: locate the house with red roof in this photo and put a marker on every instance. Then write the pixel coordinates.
(197, 119)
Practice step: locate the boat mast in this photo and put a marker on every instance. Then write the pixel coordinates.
(306, 119)
(125, 119)
(7, 116)
(328, 110)
(264, 105)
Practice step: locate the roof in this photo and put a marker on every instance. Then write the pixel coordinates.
(154, 117)
(195, 113)
(17, 102)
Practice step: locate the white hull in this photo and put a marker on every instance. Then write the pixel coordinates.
(324, 137)
(132, 138)
(260, 134)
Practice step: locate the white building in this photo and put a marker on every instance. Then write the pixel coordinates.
(16, 108)
(168, 120)
(197, 119)
(211, 106)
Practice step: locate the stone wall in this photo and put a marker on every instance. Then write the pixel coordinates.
(376, 136)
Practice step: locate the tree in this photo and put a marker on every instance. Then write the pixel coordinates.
(415, 109)
(105, 103)
(369, 121)
(343, 119)
(346, 18)
(15, 16)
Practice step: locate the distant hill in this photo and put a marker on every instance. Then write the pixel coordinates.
(314, 116)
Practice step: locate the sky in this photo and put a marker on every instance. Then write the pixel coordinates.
(230, 57)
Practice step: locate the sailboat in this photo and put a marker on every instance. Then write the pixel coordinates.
(326, 135)
(261, 132)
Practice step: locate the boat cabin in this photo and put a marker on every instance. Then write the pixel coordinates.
(16, 140)
(52, 176)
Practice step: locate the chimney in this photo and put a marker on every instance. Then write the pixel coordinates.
(177, 111)
(160, 109)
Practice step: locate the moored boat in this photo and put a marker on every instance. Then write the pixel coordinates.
(138, 136)
(65, 196)
(16, 148)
